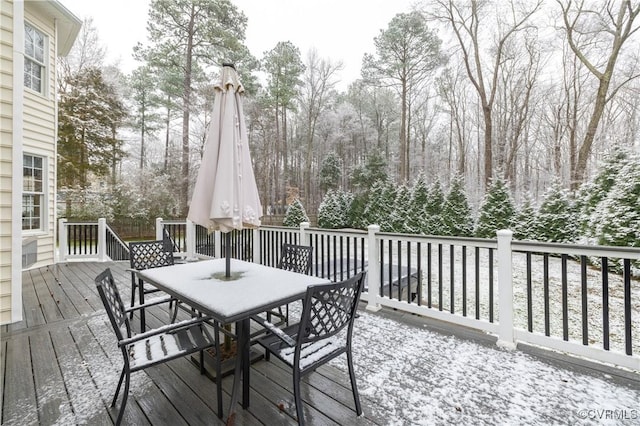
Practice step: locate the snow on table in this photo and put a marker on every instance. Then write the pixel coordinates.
(252, 286)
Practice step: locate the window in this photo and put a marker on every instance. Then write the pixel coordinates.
(32, 192)
(34, 58)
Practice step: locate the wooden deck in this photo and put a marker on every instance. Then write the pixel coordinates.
(60, 365)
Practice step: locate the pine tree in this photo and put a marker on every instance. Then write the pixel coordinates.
(399, 213)
(330, 172)
(417, 214)
(333, 212)
(593, 192)
(456, 215)
(524, 222)
(556, 219)
(295, 215)
(496, 211)
(616, 219)
(380, 204)
(434, 210)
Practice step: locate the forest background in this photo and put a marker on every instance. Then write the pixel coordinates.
(529, 107)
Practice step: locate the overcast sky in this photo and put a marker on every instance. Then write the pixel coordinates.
(339, 29)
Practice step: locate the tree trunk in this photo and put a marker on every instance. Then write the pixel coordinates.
(186, 97)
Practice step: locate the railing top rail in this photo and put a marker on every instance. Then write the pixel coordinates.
(340, 232)
(454, 241)
(80, 223)
(577, 249)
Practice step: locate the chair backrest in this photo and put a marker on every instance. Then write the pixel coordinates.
(329, 308)
(113, 304)
(295, 258)
(149, 254)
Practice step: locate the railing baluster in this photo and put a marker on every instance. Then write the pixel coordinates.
(565, 301)
(477, 283)
(452, 300)
(626, 274)
(585, 317)
(440, 277)
(605, 303)
(545, 280)
(490, 285)
(464, 281)
(529, 295)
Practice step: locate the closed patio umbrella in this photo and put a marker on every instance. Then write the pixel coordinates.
(225, 196)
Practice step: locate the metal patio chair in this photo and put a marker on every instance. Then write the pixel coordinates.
(146, 255)
(154, 346)
(295, 258)
(328, 309)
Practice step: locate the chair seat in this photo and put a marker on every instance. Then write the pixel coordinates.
(163, 347)
(310, 353)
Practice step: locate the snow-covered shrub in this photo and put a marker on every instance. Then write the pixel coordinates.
(295, 214)
(456, 214)
(417, 212)
(524, 222)
(556, 220)
(333, 212)
(496, 211)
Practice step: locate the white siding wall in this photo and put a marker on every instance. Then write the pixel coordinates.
(6, 154)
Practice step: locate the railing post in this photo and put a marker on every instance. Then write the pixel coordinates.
(102, 239)
(191, 240)
(506, 333)
(305, 238)
(62, 240)
(159, 228)
(373, 270)
(255, 234)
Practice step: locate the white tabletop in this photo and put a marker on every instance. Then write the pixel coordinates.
(255, 288)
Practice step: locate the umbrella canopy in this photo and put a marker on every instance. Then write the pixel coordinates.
(225, 196)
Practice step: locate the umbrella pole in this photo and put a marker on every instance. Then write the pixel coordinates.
(227, 250)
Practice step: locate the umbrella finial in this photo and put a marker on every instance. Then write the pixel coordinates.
(229, 64)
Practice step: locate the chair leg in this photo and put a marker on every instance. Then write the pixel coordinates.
(297, 398)
(115, 397)
(354, 387)
(216, 329)
(143, 320)
(134, 288)
(124, 399)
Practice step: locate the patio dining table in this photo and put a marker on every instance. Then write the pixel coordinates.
(251, 289)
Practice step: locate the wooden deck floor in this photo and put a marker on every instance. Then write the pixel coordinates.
(60, 366)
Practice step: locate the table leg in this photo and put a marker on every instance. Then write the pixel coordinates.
(241, 370)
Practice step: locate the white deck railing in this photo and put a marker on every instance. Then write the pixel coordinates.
(556, 296)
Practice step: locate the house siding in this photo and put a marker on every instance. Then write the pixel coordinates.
(39, 123)
(28, 126)
(6, 157)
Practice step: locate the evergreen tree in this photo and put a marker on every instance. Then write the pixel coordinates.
(374, 170)
(400, 212)
(356, 218)
(417, 214)
(593, 192)
(328, 211)
(330, 172)
(380, 205)
(556, 219)
(524, 223)
(456, 215)
(496, 211)
(90, 112)
(295, 214)
(434, 210)
(616, 219)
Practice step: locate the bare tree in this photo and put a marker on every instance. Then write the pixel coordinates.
(483, 59)
(596, 33)
(319, 81)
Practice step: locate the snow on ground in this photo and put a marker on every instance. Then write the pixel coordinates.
(415, 376)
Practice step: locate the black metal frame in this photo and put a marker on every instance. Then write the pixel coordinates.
(328, 309)
(294, 258)
(146, 255)
(186, 337)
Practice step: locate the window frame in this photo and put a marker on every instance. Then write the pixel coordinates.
(31, 60)
(34, 194)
